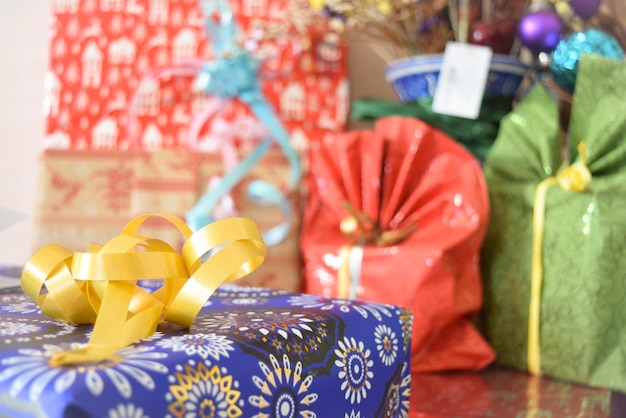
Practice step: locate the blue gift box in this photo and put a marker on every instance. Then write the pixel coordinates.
(251, 352)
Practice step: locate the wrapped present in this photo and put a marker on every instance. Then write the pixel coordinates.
(477, 135)
(106, 55)
(204, 94)
(88, 195)
(218, 350)
(250, 352)
(398, 215)
(552, 267)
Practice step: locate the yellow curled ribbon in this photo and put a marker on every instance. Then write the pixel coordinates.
(100, 286)
(572, 178)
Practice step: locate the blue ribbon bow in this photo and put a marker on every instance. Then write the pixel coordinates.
(235, 74)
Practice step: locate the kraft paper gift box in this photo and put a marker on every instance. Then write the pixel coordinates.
(555, 291)
(88, 195)
(186, 345)
(119, 85)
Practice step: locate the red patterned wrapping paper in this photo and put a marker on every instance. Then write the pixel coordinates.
(100, 52)
(404, 173)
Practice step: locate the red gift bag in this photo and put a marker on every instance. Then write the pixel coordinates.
(398, 215)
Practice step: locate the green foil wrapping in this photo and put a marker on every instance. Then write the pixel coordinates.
(582, 326)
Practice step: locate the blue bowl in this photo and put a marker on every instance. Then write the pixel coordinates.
(416, 77)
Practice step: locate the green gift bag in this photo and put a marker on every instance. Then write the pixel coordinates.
(554, 259)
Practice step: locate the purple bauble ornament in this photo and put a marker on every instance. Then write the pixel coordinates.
(585, 8)
(540, 31)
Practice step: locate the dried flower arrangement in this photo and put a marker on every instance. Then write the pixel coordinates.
(417, 27)
(408, 26)
(529, 31)
(403, 28)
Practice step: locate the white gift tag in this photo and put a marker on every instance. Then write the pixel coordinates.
(462, 79)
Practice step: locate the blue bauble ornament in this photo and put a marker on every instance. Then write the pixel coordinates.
(568, 52)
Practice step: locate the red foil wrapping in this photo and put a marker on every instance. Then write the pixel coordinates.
(420, 205)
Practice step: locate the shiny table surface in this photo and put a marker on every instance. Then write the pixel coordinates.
(503, 393)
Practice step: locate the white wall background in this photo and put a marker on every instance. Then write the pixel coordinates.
(24, 26)
(24, 30)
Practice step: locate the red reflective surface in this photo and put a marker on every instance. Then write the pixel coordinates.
(503, 393)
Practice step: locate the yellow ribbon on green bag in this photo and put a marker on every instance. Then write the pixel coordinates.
(100, 286)
(572, 178)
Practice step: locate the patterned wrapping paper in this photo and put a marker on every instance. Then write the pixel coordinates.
(87, 195)
(553, 268)
(251, 352)
(97, 172)
(100, 51)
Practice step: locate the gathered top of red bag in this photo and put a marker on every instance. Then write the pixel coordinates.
(362, 230)
(380, 186)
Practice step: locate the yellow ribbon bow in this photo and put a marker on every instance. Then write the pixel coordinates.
(100, 286)
(572, 178)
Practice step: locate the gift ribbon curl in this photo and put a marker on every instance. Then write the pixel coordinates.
(100, 286)
(235, 74)
(362, 230)
(571, 178)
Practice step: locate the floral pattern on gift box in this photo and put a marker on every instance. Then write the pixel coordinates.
(398, 394)
(19, 307)
(354, 369)
(23, 329)
(203, 389)
(283, 389)
(273, 355)
(131, 366)
(126, 411)
(203, 345)
(342, 305)
(386, 344)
